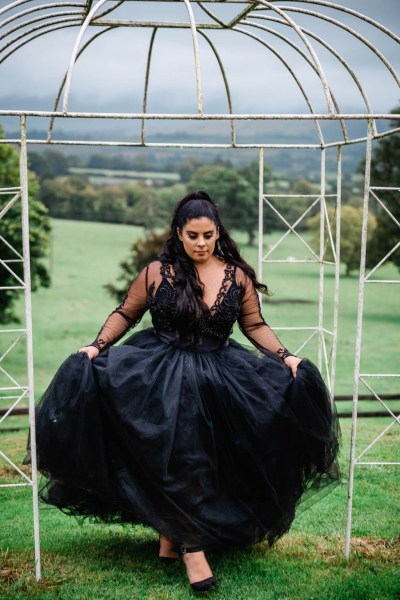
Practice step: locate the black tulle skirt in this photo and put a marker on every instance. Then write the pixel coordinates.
(215, 448)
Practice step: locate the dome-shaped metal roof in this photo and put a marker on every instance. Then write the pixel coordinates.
(294, 45)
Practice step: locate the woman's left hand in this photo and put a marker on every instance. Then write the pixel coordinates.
(292, 362)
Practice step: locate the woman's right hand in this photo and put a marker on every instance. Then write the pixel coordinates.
(91, 351)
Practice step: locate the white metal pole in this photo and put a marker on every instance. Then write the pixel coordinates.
(260, 214)
(29, 344)
(75, 50)
(196, 51)
(337, 269)
(358, 335)
(321, 261)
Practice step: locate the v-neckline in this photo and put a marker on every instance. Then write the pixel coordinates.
(223, 289)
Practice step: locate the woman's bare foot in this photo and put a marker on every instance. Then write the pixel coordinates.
(198, 570)
(166, 549)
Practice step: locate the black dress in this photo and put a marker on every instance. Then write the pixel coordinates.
(208, 443)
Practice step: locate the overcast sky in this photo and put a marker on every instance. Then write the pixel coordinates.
(110, 74)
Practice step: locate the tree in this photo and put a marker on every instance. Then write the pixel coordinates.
(69, 198)
(49, 164)
(237, 199)
(251, 172)
(149, 206)
(350, 238)
(10, 230)
(385, 172)
(187, 168)
(142, 252)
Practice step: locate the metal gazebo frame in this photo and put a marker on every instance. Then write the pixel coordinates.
(259, 21)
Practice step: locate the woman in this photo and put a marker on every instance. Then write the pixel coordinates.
(181, 428)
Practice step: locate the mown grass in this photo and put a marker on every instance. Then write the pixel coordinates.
(101, 561)
(87, 560)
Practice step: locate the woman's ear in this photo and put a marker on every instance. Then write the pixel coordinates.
(217, 236)
(179, 233)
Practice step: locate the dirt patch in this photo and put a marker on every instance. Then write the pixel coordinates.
(331, 548)
(20, 570)
(8, 472)
(379, 549)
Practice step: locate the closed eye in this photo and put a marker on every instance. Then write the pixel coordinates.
(208, 235)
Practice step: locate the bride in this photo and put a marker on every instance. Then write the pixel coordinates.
(181, 428)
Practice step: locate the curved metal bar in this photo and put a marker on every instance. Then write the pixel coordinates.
(88, 6)
(293, 74)
(196, 56)
(37, 8)
(387, 133)
(78, 40)
(352, 32)
(337, 55)
(226, 83)
(12, 5)
(240, 16)
(350, 11)
(57, 100)
(109, 10)
(210, 14)
(68, 23)
(309, 47)
(361, 140)
(146, 83)
(306, 58)
(52, 28)
(41, 18)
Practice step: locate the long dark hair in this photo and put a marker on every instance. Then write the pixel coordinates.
(189, 290)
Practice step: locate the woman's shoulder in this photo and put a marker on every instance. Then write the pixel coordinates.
(241, 275)
(155, 265)
(160, 267)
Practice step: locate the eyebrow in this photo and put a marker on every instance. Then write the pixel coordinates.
(196, 232)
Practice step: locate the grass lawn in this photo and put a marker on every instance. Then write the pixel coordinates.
(86, 561)
(100, 561)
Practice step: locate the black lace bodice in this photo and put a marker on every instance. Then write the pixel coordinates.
(217, 322)
(154, 290)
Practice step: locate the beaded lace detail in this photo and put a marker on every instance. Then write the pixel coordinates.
(215, 323)
(162, 301)
(228, 279)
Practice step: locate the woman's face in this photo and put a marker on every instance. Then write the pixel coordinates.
(199, 237)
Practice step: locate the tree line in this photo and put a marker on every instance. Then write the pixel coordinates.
(149, 203)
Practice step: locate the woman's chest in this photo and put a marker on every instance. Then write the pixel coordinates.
(217, 320)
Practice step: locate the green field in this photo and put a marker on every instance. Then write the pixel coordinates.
(109, 562)
(85, 256)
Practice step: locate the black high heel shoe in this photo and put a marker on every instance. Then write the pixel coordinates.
(204, 585)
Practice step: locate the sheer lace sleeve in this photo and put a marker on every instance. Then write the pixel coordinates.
(127, 314)
(252, 323)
